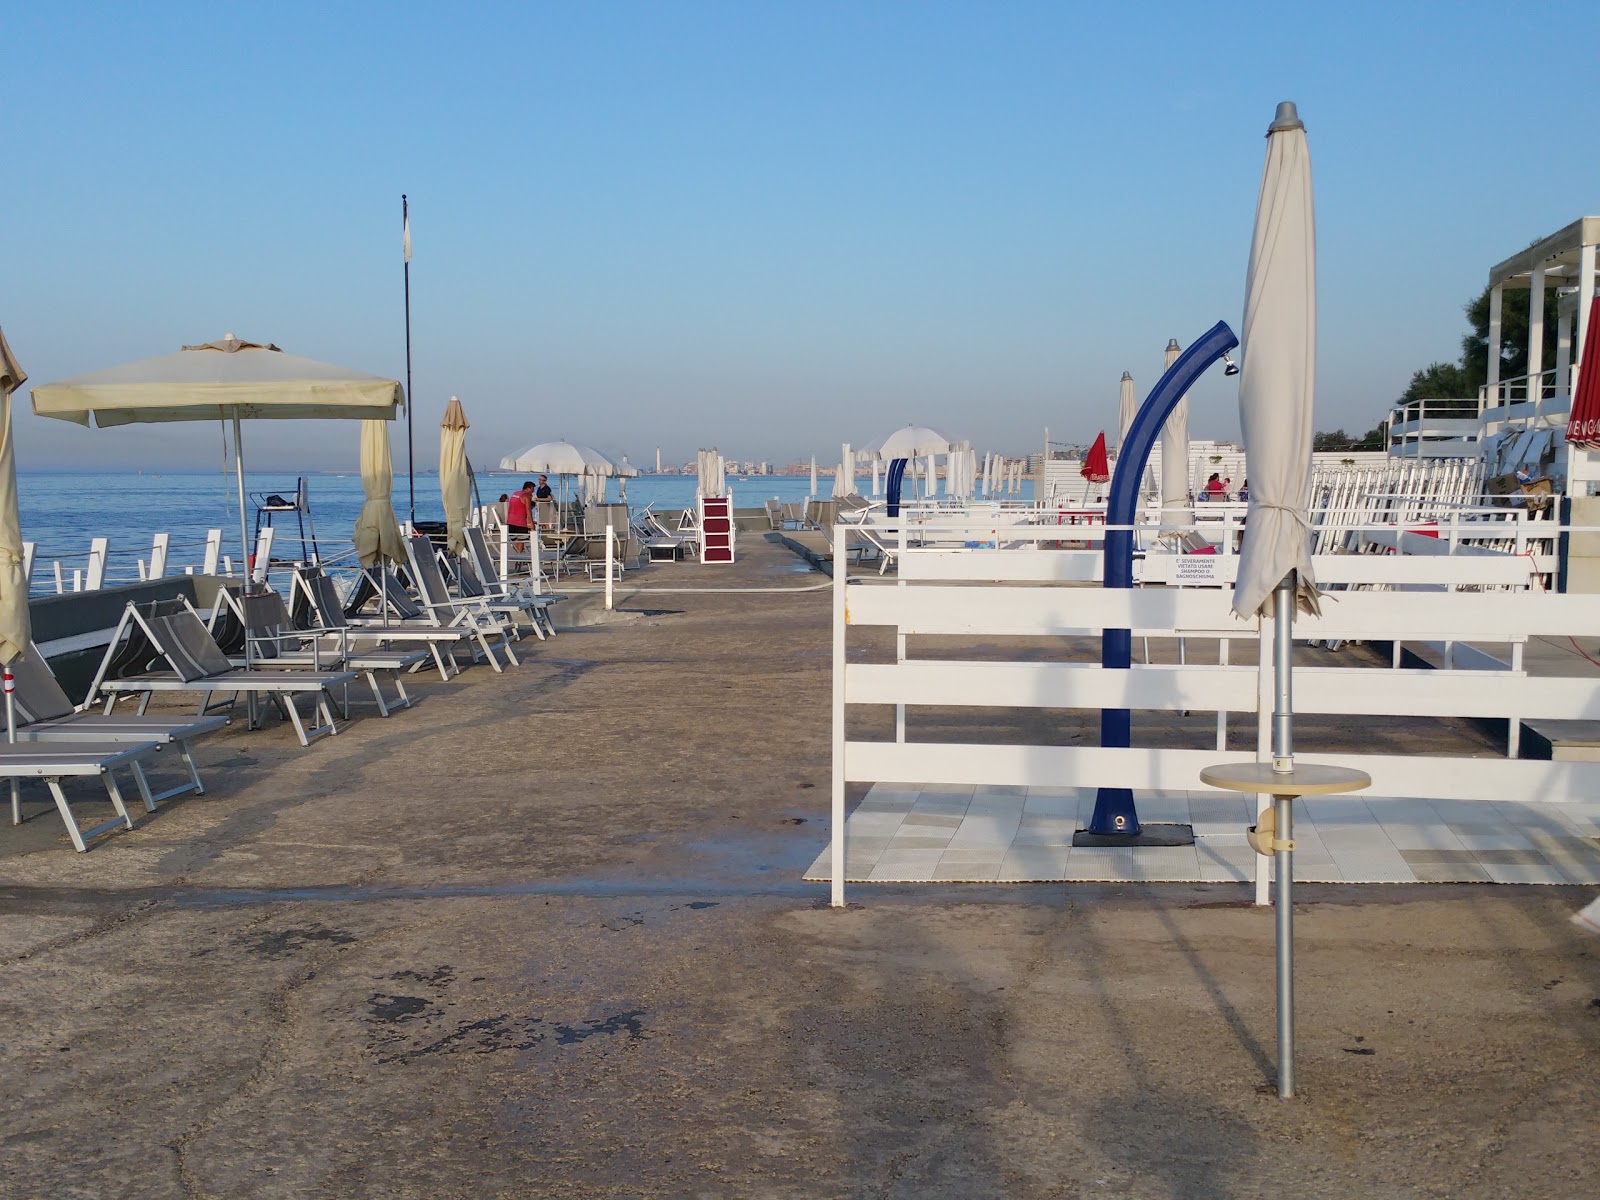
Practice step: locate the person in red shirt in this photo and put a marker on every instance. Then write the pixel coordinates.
(519, 513)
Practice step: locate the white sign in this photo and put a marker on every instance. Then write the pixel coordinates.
(1201, 569)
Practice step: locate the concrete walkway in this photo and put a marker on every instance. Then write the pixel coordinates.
(545, 936)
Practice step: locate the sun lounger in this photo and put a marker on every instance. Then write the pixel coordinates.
(315, 603)
(52, 762)
(256, 631)
(164, 647)
(45, 714)
(486, 626)
(535, 604)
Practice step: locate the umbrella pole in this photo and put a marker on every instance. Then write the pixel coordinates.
(244, 531)
(11, 736)
(1283, 763)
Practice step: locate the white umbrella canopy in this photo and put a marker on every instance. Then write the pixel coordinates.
(377, 533)
(559, 458)
(910, 441)
(229, 379)
(1277, 370)
(1175, 508)
(455, 485)
(16, 626)
(1127, 409)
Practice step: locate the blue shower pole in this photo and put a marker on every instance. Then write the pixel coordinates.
(1114, 811)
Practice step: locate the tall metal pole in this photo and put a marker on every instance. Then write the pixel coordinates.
(244, 529)
(411, 449)
(1283, 857)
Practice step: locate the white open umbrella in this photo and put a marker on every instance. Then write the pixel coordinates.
(226, 380)
(1175, 509)
(455, 485)
(909, 441)
(558, 458)
(1127, 409)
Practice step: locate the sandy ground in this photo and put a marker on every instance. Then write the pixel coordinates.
(545, 936)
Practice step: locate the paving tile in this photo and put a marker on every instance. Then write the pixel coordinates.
(1101, 862)
(921, 820)
(959, 854)
(1422, 837)
(1166, 863)
(1475, 837)
(967, 872)
(1468, 812)
(1510, 857)
(1436, 858)
(1450, 873)
(1066, 806)
(947, 789)
(912, 842)
(1032, 865)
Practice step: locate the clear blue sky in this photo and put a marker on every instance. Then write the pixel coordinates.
(769, 227)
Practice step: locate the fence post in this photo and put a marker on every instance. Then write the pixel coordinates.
(97, 565)
(841, 571)
(158, 555)
(213, 551)
(610, 558)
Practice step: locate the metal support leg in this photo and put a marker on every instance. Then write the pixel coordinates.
(1284, 861)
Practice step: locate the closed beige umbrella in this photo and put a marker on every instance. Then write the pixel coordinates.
(1175, 509)
(1127, 409)
(15, 627)
(454, 484)
(377, 533)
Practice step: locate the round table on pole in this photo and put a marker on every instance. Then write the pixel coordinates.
(1305, 779)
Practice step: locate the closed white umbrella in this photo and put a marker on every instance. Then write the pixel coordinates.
(16, 628)
(1277, 373)
(377, 533)
(455, 485)
(227, 380)
(877, 487)
(1127, 409)
(813, 476)
(713, 474)
(1175, 509)
(844, 479)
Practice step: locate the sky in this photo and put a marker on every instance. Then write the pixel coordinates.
(768, 228)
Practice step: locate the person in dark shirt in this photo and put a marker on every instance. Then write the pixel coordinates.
(542, 492)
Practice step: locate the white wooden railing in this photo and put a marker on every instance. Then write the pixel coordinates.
(937, 594)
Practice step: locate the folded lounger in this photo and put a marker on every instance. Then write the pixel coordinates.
(167, 634)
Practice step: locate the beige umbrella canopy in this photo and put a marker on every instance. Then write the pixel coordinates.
(1175, 508)
(1127, 409)
(220, 381)
(15, 627)
(455, 486)
(377, 533)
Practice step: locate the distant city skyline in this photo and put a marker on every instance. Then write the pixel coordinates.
(770, 229)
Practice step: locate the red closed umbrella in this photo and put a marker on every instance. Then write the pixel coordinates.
(1583, 425)
(1096, 468)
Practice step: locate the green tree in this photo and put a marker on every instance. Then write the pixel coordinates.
(1513, 336)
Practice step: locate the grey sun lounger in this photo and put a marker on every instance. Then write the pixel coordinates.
(535, 604)
(52, 762)
(162, 646)
(439, 606)
(315, 603)
(45, 714)
(255, 631)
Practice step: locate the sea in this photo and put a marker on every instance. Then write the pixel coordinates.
(62, 510)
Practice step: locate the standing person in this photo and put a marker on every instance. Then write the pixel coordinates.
(519, 513)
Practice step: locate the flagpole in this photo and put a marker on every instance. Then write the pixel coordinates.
(411, 449)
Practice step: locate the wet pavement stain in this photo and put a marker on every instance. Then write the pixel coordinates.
(397, 1008)
(624, 1022)
(279, 942)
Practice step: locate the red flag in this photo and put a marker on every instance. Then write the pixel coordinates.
(1096, 469)
(1583, 424)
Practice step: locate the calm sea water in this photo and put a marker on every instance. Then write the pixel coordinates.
(62, 510)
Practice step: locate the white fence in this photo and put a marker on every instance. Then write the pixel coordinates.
(938, 594)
